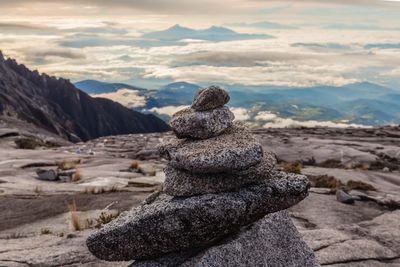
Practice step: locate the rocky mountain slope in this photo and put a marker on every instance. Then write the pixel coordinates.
(55, 105)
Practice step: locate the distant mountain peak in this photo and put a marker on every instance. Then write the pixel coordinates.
(180, 85)
(219, 29)
(178, 26)
(213, 33)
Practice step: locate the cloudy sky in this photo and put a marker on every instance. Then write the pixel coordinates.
(275, 43)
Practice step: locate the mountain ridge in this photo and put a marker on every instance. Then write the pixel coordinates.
(56, 105)
(213, 33)
(361, 102)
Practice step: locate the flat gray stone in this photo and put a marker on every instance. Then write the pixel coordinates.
(343, 197)
(171, 224)
(210, 98)
(236, 149)
(47, 175)
(271, 241)
(189, 123)
(183, 183)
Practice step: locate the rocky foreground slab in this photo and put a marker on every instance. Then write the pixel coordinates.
(364, 233)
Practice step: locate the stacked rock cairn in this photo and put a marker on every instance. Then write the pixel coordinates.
(222, 202)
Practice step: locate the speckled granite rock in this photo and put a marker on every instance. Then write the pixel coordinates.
(271, 241)
(184, 183)
(189, 123)
(171, 224)
(236, 149)
(210, 98)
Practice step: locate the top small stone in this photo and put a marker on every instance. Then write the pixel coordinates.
(210, 98)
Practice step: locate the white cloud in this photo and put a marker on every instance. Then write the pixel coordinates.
(168, 110)
(126, 97)
(253, 62)
(289, 123)
(265, 116)
(274, 121)
(241, 114)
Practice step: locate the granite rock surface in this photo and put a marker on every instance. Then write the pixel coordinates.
(184, 183)
(171, 224)
(234, 150)
(276, 239)
(210, 98)
(189, 123)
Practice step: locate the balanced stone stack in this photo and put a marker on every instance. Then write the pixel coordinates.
(223, 201)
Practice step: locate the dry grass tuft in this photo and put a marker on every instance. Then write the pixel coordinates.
(331, 163)
(102, 190)
(358, 185)
(45, 231)
(33, 143)
(134, 165)
(114, 189)
(28, 143)
(105, 218)
(292, 167)
(15, 236)
(77, 176)
(38, 190)
(74, 216)
(324, 181)
(94, 190)
(69, 164)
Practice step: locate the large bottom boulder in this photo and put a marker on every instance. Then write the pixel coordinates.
(271, 241)
(170, 224)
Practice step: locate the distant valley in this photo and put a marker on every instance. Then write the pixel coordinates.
(358, 104)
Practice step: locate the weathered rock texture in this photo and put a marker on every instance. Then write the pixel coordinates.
(188, 123)
(172, 224)
(271, 241)
(210, 98)
(236, 149)
(184, 183)
(214, 188)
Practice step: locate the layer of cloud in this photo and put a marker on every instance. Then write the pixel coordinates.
(273, 120)
(127, 97)
(168, 110)
(92, 47)
(241, 114)
(154, 6)
(290, 123)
